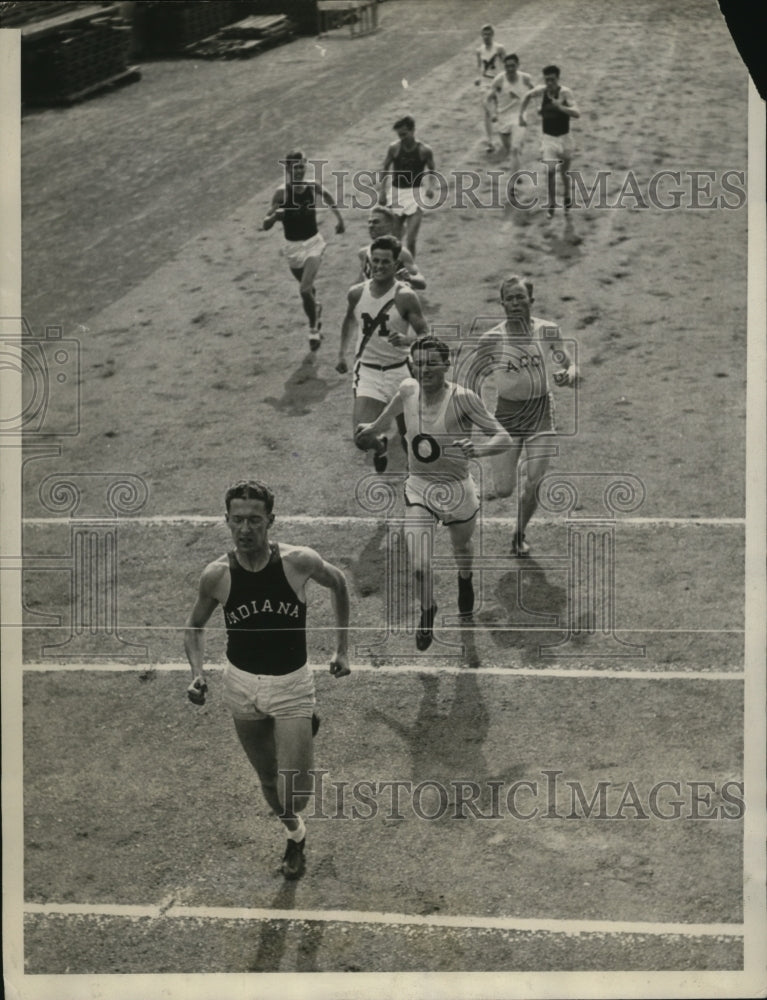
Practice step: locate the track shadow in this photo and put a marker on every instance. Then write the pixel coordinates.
(302, 389)
(368, 571)
(271, 945)
(565, 244)
(446, 746)
(530, 611)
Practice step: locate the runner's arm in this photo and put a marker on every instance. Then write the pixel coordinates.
(385, 173)
(329, 200)
(366, 434)
(275, 212)
(347, 327)
(476, 413)
(313, 567)
(567, 373)
(409, 270)
(491, 101)
(409, 306)
(362, 255)
(204, 606)
(330, 576)
(479, 363)
(535, 92)
(568, 105)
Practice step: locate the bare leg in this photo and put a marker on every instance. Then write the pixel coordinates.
(257, 739)
(551, 184)
(567, 182)
(295, 753)
(365, 412)
(306, 276)
(506, 469)
(488, 126)
(412, 227)
(462, 541)
(535, 466)
(419, 531)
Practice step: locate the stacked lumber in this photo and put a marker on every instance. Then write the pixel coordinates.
(75, 54)
(244, 38)
(170, 28)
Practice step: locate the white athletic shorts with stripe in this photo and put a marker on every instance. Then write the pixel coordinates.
(377, 383)
(451, 501)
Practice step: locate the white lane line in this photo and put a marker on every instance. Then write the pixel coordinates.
(395, 668)
(463, 922)
(351, 521)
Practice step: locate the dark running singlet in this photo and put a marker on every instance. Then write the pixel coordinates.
(408, 167)
(265, 621)
(555, 122)
(300, 217)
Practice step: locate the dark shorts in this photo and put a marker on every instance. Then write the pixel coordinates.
(526, 417)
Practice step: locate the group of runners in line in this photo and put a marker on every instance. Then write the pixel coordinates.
(399, 374)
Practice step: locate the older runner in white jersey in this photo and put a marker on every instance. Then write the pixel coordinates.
(440, 418)
(522, 356)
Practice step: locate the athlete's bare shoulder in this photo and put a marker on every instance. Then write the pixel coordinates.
(356, 290)
(301, 558)
(214, 576)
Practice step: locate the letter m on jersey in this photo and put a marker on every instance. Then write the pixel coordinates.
(372, 323)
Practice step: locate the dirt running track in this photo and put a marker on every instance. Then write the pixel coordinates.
(141, 238)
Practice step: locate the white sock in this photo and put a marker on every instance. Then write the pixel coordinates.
(299, 833)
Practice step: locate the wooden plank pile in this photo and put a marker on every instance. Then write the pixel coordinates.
(75, 54)
(361, 16)
(244, 38)
(170, 28)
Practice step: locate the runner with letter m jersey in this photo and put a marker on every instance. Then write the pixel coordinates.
(386, 314)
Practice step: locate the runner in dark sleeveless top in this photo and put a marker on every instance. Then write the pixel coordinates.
(264, 602)
(554, 119)
(267, 685)
(299, 214)
(557, 108)
(294, 204)
(407, 162)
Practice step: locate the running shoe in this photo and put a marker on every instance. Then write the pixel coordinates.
(294, 862)
(519, 546)
(425, 631)
(381, 458)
